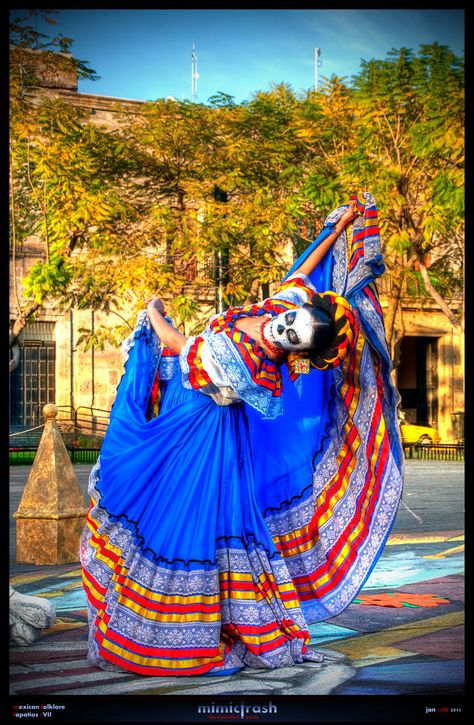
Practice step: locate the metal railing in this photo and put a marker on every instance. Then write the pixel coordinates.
(26, 456)
(84, 419)
(90, 421)
(22, 456)
(83, 455)
(73, 423)
(440, 452)
(434, 452)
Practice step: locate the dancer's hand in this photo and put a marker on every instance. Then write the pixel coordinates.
(155, 303)
(349, 214)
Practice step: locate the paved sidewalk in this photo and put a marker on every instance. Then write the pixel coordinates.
(403, 635)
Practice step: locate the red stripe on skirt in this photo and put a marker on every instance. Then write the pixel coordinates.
(349, 560)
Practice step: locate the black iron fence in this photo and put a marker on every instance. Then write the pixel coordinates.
(435, 452)
(82, 430)
(26, 456)
(22, 456)
(83, 455)
(440, 452)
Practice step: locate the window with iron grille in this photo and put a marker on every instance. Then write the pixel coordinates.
(32, 383)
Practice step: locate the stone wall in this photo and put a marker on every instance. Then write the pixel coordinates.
(85, 378)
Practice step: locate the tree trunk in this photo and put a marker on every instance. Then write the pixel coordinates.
(21, 321)
(15, 359)
(424, 272)
(253, 294)
(437, 297)
(393, 305)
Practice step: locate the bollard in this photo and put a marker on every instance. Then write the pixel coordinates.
(51, 515)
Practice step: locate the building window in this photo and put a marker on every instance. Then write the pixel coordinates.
(32, 383)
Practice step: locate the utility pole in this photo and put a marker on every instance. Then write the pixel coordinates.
(194, 74)
(317, 64)
(221, 259)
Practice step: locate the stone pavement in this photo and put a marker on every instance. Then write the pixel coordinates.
(403, 635)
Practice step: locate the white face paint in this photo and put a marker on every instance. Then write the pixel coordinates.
(292, 330)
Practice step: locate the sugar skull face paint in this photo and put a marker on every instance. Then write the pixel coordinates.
(292, 330)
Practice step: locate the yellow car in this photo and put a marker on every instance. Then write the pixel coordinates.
(422, 434)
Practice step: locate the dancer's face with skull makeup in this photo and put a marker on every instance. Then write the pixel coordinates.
(292, 330)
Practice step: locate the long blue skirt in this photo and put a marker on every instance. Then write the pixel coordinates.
(214, 538)
(180, 569)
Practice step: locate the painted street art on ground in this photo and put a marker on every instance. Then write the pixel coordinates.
(403, 634)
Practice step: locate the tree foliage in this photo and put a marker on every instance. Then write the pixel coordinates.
(151, 206)
(411, 135)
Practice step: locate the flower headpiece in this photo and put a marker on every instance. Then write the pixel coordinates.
(344, 323)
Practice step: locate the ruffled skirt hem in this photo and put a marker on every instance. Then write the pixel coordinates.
(187, 620)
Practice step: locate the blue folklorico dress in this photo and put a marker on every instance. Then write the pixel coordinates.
(252, 504)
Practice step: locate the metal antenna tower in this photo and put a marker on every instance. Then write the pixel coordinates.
(317, 64)
(194, 74)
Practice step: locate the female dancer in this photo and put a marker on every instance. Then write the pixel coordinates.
(238, 499)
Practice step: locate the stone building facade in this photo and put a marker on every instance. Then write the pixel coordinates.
(430, 374)
(52, 368)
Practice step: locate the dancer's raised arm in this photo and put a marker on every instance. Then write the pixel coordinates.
(168, 334)
(316, 256)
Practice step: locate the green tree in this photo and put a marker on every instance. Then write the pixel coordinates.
(262, 171)
(410, 153)
(127, 213)
(64, 190)
(74, 187)
(38, 184)
(195, 156)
